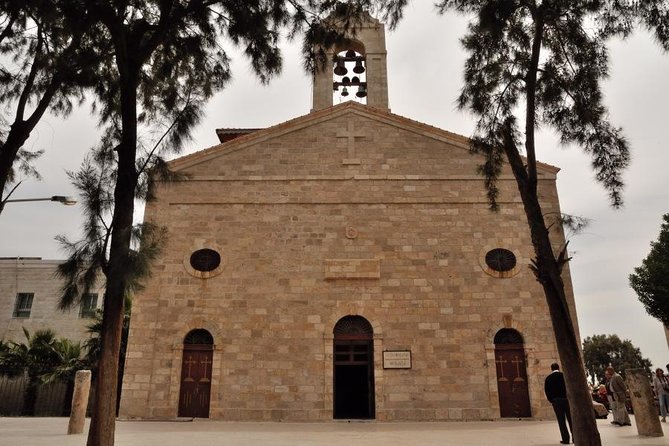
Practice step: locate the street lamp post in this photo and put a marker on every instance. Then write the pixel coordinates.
(68, 201)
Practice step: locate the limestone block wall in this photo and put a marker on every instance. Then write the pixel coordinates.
(306, 239)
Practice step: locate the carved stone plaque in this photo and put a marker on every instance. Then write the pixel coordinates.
(397, 359)
(352, 269)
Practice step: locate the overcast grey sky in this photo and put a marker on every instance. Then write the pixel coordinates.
(425, 65)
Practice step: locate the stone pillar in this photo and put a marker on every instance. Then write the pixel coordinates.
(643, 403)
(82, 387)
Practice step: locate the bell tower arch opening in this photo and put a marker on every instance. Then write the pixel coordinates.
(355, 69)
(349, 75)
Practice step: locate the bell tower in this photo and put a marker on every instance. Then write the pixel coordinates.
(355, 70)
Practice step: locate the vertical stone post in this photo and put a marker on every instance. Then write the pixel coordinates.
(643, 403)
(82, 387)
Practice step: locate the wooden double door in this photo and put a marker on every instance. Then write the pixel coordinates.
(514, 398)
(194, 395)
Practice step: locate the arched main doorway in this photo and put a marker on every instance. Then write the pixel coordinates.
(194, 393)
(353, 368)
(514, 397)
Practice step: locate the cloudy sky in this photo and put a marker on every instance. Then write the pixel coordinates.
(425, 72)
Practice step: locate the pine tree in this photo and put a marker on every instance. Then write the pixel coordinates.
(47, 63)
(600, 351)
(650, 281)
(167, 59)
(541, 63)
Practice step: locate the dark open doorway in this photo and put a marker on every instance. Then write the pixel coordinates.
(353, 369)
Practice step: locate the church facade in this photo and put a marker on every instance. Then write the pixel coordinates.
(341, 265)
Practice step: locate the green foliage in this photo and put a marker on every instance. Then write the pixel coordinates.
(168, 58)
(48, 57)
(88, 258)
(69, 359)
(34, 357)
(650, 281)
(534, 64)
(93, 345)
(42, 358)
(654, 15)
(600, 351)
(548, 59)
(322, 33)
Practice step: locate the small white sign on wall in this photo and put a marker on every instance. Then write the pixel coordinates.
(397, 359)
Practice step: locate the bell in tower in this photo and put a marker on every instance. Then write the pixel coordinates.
(342, 62)
(355, 70)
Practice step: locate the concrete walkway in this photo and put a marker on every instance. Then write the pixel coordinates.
(51, 432)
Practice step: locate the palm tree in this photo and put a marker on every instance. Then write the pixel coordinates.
(69, 360)
(33, 359)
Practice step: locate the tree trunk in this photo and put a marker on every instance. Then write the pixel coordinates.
(30, 397)
(101, 432)
(584, 426)
(102, 426)
(17, 136)
(549, 273)
(20, 130)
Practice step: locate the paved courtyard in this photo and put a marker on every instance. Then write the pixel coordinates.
(51, 432)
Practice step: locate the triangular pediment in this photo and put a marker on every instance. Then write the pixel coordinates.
(360, 139)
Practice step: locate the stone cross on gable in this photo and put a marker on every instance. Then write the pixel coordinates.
(348, 137)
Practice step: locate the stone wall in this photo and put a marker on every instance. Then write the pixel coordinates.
(398, 238)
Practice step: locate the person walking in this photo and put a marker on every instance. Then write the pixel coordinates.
(661, 385)
(615, 385)
(556, 393)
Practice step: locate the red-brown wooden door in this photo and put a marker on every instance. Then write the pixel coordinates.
(514, 398)
(195, 389)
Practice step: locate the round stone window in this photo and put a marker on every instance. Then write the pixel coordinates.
(500, 259)
(205, 260)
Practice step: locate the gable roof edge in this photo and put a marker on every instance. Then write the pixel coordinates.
(321, 115)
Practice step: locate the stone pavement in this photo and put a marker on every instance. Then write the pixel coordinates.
(51, 432)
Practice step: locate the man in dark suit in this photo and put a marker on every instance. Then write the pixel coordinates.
(556, 392)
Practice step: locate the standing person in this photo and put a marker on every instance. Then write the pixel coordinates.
(661, 385)
(556, 393)
(615, 385)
